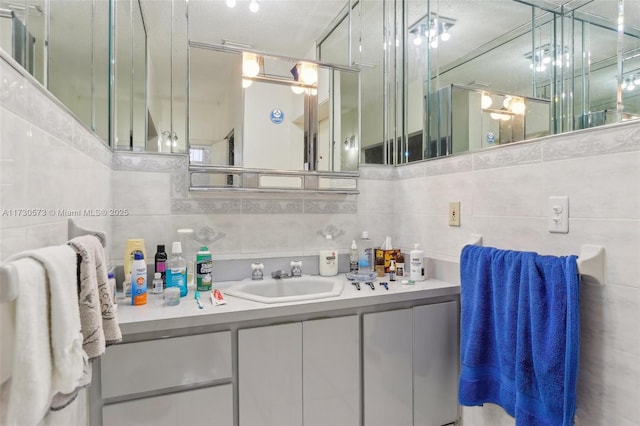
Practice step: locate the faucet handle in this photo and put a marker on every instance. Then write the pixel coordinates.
(256, 271)
(296, 268)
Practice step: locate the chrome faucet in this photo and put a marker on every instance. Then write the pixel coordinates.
(280, 274)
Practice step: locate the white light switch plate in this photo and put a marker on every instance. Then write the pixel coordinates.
(558, 214)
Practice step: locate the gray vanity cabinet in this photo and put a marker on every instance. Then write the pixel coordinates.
(303, 373)
(161, 382)
(410, 366)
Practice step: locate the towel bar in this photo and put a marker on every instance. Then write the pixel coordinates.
(590, 261)
(8, 273)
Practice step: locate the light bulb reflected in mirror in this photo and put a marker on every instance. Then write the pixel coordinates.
(518, 107)
(308, 73)
(246, 83)
(231, 3)
(298, 90)
(486, 101)
(254, 6)
(250, 66)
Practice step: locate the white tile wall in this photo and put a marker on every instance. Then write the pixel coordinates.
(50, 161)
(504, 197)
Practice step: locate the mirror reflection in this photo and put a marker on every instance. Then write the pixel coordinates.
(413, 57)
(263, 111)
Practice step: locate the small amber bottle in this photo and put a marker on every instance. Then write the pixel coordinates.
(380, 266)
(400, 265)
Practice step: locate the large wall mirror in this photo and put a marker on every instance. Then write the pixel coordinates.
(271, 112)
(503, 71)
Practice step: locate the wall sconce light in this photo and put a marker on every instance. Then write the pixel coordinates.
(250, 64)
(486, 101)
(308, 73)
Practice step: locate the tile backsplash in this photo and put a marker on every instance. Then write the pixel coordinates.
(49, 161)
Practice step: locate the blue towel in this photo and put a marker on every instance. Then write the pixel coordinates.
(519, 334)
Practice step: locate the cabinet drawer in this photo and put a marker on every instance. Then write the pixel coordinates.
(157, 364)
(181, 408)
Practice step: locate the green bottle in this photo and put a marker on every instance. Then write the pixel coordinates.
(204, 269)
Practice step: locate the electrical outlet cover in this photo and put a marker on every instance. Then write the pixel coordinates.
(454, 213)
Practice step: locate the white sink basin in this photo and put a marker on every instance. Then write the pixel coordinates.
(288, 289)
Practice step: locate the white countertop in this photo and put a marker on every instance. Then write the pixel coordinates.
(156, 316)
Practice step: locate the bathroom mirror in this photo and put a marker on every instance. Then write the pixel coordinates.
(286, 114)
(497, 47)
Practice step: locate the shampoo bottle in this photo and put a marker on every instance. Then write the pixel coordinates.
(416, 259)
(328, 259)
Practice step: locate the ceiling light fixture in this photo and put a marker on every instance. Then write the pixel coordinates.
(254, 6)
(434, 28)
(544, 55)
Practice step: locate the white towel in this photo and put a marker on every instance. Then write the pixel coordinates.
(97, 314)
(32, 376)
(69, 359)
(48, 345)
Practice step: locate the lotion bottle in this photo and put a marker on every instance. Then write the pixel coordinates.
(328, 259)
(416, 260)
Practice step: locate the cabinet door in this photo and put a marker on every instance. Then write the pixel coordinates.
(435, 364)
(270, 375)
(387, 346)
(331, 371)
(181, 408)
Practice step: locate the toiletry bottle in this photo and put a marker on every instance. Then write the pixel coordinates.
(177, 269)
(112, 286)
(380, 266)
(126, 288)
(138, 280)
(416, 259)
(133, 245)
(204, 269)
(400, 271)
(366, 261)
(353, 258)
(186, 239)
(392, 270)
(158, 283)
(328, 259)
(161, 264)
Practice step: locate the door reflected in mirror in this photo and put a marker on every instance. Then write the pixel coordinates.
(260, 111)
